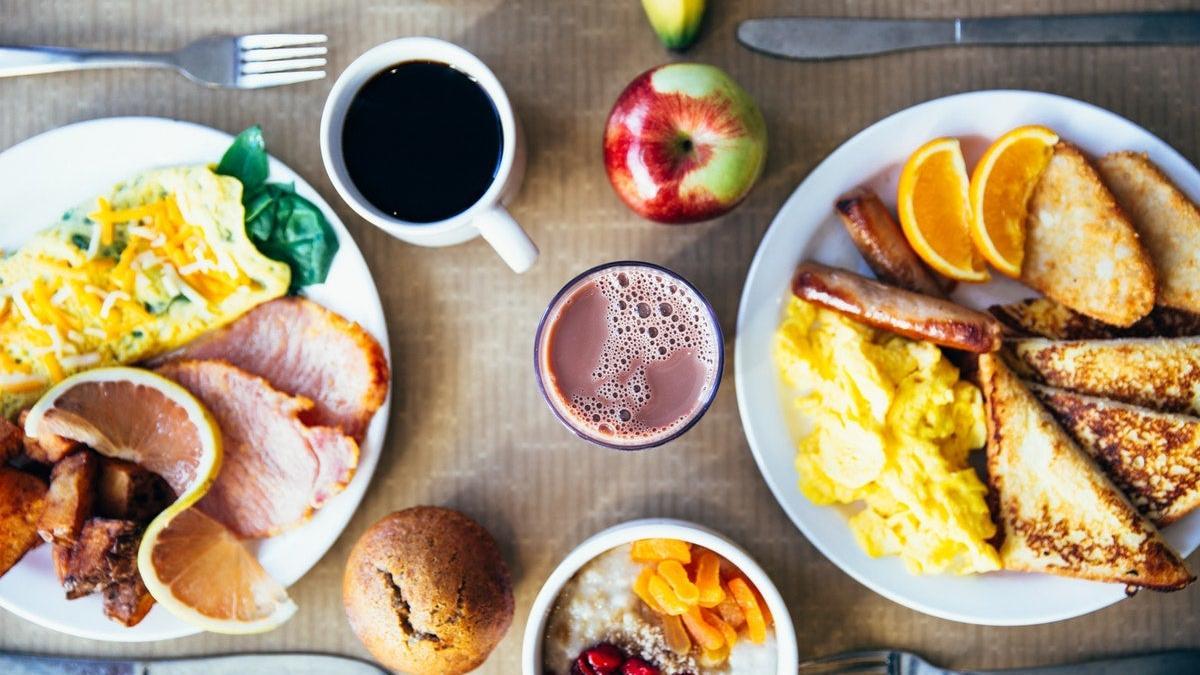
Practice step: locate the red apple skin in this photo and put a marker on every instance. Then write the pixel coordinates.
(665, 137)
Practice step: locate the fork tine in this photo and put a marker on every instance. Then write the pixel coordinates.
(260, 80)
(280, 66)
(853, 662)
(282, 53)
(270, 40)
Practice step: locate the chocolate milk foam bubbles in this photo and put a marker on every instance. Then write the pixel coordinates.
(629, 355)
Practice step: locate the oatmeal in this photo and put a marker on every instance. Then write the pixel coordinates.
(660, 607)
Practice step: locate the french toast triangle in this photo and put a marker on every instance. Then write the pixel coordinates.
(1167, 222)
(1154, 373)
(1057, 511)
(1080, 248)
(1154, 457)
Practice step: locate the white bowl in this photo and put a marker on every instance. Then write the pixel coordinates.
(650, 528)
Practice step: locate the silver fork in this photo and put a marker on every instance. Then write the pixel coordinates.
(896, 662)
(232, 61)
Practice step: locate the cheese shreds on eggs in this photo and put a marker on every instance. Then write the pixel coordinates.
(127, 276)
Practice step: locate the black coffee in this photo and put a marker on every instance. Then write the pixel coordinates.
(422, 141)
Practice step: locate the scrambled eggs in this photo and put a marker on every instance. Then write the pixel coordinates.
(885, 421)
(161, 259)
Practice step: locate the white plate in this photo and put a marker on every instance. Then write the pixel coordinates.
(47, 174)
(806, 228)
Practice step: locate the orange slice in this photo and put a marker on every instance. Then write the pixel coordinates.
(190, 563)
(935, 210)
(1000, 189)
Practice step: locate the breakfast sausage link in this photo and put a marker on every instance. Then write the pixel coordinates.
(912, 315)
(882, 243)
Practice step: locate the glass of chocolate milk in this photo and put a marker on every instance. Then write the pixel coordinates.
(629, 355)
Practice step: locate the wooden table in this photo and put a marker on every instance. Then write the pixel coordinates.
(468, 428)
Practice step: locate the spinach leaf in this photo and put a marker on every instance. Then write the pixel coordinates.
(282, 224)
(246, 160)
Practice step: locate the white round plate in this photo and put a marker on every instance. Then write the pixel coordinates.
(806, 228)
(47, 174)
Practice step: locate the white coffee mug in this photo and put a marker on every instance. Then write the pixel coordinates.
(487, 216)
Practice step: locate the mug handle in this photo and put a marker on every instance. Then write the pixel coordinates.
(506, 236)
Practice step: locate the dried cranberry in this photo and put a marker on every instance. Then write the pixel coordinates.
(604, 658)
(636, 666)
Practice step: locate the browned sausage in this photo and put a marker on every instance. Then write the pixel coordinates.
(881, 241)
(912, 315)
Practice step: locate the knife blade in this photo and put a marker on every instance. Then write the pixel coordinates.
(816, 38)
(231, 664)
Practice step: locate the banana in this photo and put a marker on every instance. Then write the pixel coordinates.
(676, 21)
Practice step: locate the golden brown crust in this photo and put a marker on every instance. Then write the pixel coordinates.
(1081, 249)
(1058, 512)
(70, 499)
(1153, 373)
(1043, 317)
(427, 591)
(1153, 457)
(22, 500)
(1167, 222)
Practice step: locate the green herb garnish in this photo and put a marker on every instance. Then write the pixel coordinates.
(282, 224)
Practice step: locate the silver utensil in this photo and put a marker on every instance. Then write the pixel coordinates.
(894, 662)
(234, 664)
(832, 38)
(233, 61)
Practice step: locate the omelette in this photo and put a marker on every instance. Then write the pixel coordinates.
(160, 259)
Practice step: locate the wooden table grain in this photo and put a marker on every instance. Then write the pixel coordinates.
(468, 428)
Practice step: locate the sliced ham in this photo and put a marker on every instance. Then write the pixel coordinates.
(276, 468)
(306, 350)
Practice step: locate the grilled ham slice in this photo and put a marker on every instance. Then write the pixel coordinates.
(276, 468)
(1057, 510)
(306, 350)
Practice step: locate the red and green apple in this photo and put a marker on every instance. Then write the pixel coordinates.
(684, 143)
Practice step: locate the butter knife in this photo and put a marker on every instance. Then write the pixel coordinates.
(233, 664)
(813, 38)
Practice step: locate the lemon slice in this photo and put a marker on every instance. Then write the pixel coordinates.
(1000, 189)
(935, 210)
(190, 563)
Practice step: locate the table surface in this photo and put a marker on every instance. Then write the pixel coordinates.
(468, 427)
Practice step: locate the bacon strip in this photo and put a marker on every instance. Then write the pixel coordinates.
(912, 315)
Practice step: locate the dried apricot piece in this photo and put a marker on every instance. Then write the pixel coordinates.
(756, 625)
(730, 612)
(655, 550)
(708, 579)
(676, 635)
(677, 577)
(712, 658)
(706, 635)
(641, 588)
(714, 619)
(664, 595)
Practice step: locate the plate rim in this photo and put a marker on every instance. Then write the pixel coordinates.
(377, 430)
(774, 484)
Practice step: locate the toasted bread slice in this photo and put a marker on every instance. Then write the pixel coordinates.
(1058, 512)
(1080, 249)
(1167, 222)
(1154, 373)
(1153, 457)
(1043, 317)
